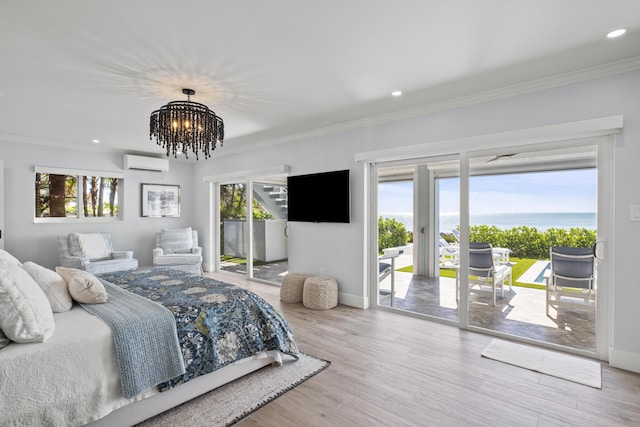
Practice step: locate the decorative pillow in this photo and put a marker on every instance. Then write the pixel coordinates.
(7, 258)
(94, 246)
(178, 240)
(4, 341)
(25, 313)
(83, 286)
(52, 284)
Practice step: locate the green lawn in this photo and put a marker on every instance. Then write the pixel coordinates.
(243, 261)
(520, 266)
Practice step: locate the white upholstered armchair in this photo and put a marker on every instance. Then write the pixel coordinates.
(178, 248)
(94, 253)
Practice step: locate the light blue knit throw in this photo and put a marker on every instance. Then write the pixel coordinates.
(145, 338)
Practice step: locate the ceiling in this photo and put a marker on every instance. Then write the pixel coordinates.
(77, 70)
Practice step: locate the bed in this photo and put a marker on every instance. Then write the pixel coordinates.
(74, 377)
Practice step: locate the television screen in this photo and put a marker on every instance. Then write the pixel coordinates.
(319, 197)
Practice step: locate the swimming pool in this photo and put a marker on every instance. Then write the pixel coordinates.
(540, 278)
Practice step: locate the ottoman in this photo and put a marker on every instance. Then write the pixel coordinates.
(320, 293)
(292, 286)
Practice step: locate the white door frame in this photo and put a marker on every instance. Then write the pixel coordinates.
(246, 177)
(540, 138)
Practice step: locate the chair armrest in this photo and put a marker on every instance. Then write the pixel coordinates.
(158, 252)
(122, 255)
(74, 262)
(197, 250)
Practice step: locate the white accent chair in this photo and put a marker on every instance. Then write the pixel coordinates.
(178, 248)
(93, 252)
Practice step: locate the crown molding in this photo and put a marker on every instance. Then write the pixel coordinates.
(563, 79)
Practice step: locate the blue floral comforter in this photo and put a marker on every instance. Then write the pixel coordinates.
(218, 323)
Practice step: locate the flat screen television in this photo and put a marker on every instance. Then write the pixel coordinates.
(319, 197)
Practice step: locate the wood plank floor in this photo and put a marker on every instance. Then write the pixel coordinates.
(392, 370)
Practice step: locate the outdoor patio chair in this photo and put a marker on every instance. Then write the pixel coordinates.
(484, 273)
(449, 254)
(386, 269)
(570, 280)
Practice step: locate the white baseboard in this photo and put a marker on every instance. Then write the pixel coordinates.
(353, 300)
(624, 360)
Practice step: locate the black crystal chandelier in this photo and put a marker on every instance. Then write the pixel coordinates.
(185, 126)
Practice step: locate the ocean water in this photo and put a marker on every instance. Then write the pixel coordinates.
(541, 221)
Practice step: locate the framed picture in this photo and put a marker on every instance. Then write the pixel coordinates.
(160, 200)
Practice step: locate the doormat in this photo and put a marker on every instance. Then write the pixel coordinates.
(565, 366)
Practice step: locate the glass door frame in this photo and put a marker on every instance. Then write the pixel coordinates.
(242, 177)
(605, 146)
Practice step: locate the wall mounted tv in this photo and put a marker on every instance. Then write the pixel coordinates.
(319, 197)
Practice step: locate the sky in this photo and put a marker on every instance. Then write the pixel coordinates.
(559, 191)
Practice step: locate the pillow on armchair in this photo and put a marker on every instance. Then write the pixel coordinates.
(94, 246)
(176, 241)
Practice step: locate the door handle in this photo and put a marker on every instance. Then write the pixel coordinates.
(594, 248)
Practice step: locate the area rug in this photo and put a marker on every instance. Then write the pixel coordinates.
(565, 366)
(230, 403)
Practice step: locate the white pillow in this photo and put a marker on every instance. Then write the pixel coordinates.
(4, 341)
(7, 258)
(179, 240)
(93, 245)
(52, 284)
(25, 313)
(83, 286)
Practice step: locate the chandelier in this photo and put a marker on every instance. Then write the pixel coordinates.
(186, 126)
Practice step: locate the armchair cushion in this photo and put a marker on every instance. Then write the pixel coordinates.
(94, 245)
(178, 249)
(176, 241)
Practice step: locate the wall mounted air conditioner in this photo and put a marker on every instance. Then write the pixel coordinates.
(145, 163)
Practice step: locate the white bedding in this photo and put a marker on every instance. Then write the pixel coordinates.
(73, 379)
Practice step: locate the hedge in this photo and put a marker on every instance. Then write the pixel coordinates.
(528, 242)
(391, 233)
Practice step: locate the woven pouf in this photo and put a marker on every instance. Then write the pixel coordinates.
(292, 286)
(320, 293)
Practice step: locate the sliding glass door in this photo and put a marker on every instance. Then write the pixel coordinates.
(269, 217)
(233, 227)
(522, 203)
(418, 253)
(252, 225)
(519, 202)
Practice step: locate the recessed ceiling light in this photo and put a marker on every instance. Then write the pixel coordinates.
(616, 33)
(396, 93)
(95, 141)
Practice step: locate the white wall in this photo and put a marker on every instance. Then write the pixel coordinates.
(38, 242)
(338, 248)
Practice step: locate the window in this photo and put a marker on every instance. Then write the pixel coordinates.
(73, 195)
